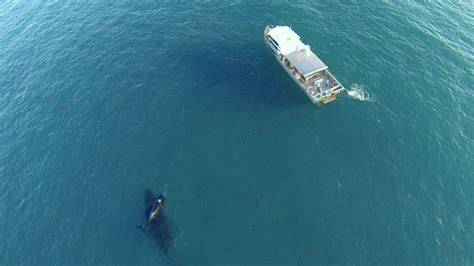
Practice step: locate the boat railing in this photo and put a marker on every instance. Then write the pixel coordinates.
(268, 28)
(335, 87)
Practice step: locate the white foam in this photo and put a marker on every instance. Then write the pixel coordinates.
(357, 92)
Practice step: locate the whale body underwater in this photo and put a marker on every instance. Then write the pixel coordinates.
(157, 225)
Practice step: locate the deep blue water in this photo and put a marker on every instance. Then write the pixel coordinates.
(100, 101)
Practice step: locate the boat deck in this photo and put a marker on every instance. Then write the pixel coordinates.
(319, 84)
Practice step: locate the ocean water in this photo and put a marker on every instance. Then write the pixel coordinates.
(100, 101)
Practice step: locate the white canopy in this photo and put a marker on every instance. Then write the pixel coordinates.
(286, 38)
(306, 62)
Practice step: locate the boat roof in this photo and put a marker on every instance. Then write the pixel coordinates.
(299, 54)
(306, 62)
(286, 38)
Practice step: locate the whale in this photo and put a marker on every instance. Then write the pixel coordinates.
(153, 210)
(157, 226)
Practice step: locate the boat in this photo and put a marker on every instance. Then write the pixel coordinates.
(304, 66)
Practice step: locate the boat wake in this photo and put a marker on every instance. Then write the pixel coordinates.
(357, 92)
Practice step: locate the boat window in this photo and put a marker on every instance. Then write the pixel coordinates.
(273, 41)
(273, 45)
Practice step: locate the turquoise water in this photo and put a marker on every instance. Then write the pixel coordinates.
(100, 101)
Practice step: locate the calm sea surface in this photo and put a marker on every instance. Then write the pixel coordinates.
(99, 101)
